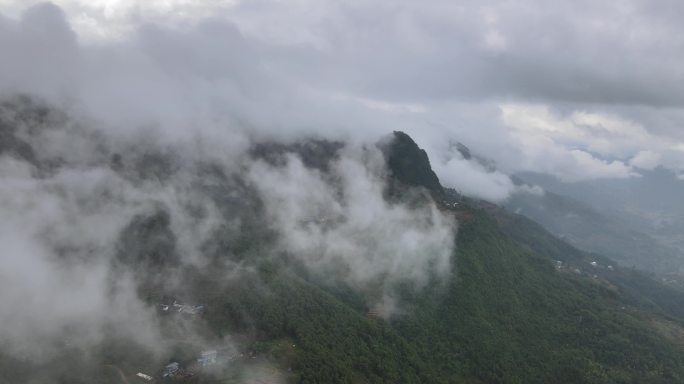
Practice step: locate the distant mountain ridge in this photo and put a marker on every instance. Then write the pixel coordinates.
(590, 230)
(568, 211)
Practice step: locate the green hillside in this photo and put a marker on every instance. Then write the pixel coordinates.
(506, 314)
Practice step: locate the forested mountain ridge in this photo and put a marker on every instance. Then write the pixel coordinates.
(496, 310)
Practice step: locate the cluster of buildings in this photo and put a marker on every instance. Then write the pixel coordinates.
(173, 370)
(186, 309)
(205, 359)
(597, 265)
(559, 265)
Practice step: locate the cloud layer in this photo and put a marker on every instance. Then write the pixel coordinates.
(532, 85)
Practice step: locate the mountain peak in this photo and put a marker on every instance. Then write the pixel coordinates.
(410, 164)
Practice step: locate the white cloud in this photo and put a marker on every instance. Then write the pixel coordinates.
(646, 160)
(472, 179)
(340, 225)
(569, 146)
(55, 265)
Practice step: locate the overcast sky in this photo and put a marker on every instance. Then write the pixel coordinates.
(579, 89)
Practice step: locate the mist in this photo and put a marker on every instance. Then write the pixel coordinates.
(100, 226)
(145, 147)
(340, 225)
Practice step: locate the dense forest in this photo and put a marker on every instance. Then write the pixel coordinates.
(518, 306)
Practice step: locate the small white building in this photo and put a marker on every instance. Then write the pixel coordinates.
(207, 358)
(171, 369)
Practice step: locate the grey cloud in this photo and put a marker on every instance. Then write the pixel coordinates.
(548, 51)
(355, 70)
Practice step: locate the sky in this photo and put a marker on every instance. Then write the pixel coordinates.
(580, 90)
